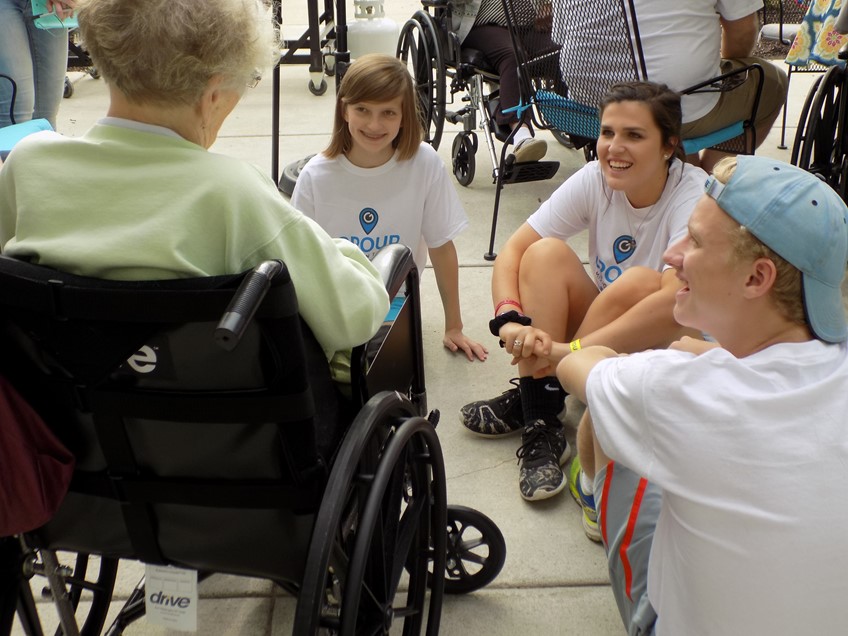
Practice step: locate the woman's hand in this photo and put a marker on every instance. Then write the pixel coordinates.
(454, 340)
(525, 341)
(62, 8)
(527, 345)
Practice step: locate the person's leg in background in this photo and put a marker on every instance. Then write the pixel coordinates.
(16, 62)
(49, 49)
(37, 61)
(495, 43)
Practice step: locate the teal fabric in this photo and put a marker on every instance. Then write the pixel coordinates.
(696, 144)
(10, 135)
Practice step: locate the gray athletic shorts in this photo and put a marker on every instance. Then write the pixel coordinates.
(628, 508)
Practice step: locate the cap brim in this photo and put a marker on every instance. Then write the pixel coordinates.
(827, 319)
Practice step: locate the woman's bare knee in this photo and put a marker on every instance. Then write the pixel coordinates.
(555, 288)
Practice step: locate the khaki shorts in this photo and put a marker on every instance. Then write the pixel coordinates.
(735, 105)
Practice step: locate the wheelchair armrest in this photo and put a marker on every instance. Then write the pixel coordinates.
(393, 359)
(393, 262)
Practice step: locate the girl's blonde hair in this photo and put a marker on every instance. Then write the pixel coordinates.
(787, 289)
(377, 78)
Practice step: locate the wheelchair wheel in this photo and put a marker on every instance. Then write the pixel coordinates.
(802, 121)
(563, 138)
(419, 48)
(82, 573)
(820, 146)
(476, 550)
(384, 502)
(318, 89)
(463, 151)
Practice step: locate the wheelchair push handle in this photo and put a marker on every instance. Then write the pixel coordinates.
(244, 304)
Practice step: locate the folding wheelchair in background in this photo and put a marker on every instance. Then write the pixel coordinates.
(434, 56)
(208, 435)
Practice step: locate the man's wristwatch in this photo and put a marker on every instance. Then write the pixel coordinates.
(499, 321)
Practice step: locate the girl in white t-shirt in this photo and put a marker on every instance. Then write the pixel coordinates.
(635, 200)
(377, 183)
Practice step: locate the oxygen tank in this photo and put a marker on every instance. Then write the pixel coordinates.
(372, 31)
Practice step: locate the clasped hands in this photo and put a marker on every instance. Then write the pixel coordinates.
(531, 346)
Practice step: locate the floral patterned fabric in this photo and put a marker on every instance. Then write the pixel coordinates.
(817, 40)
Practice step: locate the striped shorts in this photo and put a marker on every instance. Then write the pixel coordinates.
(628, 509)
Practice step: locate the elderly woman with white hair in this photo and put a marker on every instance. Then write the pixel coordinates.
(139, 196)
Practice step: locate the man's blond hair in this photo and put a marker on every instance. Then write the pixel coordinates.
(787, 290)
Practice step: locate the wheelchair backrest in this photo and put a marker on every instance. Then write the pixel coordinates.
(186, 452)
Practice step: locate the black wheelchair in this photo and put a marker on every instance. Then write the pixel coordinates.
(820, 146)
(208, 435)
(437, 61)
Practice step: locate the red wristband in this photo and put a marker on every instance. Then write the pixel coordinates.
(508, 301)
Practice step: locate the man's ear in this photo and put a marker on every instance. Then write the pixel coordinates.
(761, 278)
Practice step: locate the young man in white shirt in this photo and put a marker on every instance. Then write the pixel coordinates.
(719, 468)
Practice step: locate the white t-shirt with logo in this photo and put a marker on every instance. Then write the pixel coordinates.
(620, 236)
(411, 202)
(752, 457)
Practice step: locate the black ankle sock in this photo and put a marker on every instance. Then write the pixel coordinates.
(541, 399)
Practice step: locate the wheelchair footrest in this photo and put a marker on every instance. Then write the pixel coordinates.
(530, 171)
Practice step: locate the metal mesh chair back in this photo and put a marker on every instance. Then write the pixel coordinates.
(783, 12)
(569, 54)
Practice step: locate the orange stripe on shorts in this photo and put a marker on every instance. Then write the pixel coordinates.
(628, 535)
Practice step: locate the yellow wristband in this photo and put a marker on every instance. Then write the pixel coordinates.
(574, 345)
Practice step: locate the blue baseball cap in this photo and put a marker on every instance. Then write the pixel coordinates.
(804, 221)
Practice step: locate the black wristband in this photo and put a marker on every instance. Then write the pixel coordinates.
(497, 322)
